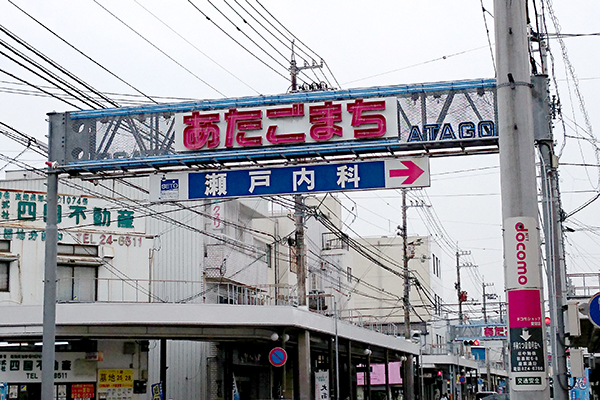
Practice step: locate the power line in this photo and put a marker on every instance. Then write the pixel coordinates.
(59, 67)
(298, 40)
(159, 49)
(82, 53)
(40, 89)
(195, 47)
(237, 42)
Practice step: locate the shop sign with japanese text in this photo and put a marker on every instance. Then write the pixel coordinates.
(294, 124)
(115, 384)
(322, 385)
(28, 209)
(527, 351)
(27, 367)
(115, 378)
(490, 332)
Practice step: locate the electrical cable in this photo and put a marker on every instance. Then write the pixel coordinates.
(237, 42)
(82, 53)
(60, 68)
(298, 40)
(195, 47)
(159, 49)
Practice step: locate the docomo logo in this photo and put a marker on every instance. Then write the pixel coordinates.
(521, 237)
(522, 253)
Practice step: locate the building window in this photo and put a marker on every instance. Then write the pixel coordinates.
(349, 274)
(77, 250)
(4, 267)
(4, 276)
(76, 283)
(437, 305)
(5, 245)
(77, 274)
(437, 269)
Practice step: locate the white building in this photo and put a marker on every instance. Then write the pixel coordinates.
(380, 302)
(104, 255)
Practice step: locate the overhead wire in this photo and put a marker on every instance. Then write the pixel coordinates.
(82, 53)
(39, 88)
(236, 41)
(487, 31)
(46, 78)
(159, 49)
(298, 40)
(195, 47)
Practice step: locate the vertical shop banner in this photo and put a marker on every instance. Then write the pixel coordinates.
(157, 392)
(322, 385)
(235, 391)
(580, 387)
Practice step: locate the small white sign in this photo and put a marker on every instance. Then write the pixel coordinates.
(322, 385)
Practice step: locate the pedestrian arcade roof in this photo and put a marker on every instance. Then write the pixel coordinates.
(208, 322)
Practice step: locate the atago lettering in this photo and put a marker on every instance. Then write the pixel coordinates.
(445, 132)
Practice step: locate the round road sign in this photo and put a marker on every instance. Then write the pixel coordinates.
(277, 357)
(594, 312)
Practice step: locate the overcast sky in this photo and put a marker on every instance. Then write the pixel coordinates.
(177, 53)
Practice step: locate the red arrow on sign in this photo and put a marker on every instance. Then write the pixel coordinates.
(412, 172)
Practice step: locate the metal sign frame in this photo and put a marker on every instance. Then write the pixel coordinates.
(89, 142)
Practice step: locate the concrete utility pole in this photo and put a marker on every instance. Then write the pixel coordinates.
(409, 378)
(298, 199)
(304, 360)
(459, 253)
(49, 318)
(485, 297)
(553, 233)
(300, 257)
(523, 275)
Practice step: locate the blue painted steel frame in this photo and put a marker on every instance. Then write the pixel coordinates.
(288, 98)
(272, 152)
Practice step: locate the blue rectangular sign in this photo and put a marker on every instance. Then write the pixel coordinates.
(305, 178)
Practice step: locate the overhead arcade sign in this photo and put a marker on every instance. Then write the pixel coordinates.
(303, 127)
(293, 126)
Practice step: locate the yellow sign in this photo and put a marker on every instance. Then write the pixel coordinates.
(115, 378)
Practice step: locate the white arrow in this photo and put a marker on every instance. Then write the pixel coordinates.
(525, 335)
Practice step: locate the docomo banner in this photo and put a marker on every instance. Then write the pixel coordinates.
(522, 253)
(298, 123)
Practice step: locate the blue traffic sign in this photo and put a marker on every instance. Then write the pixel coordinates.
(278, 356)
(594, 312)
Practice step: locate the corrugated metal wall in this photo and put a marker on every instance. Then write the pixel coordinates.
(187, 372)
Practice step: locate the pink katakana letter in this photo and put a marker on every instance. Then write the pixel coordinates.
(201, 129)
(323, 119)
(358, 119)
(238, 122)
